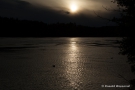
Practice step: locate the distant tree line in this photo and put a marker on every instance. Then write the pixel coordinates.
(11, 27)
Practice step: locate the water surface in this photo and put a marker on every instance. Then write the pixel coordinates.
(80, 64)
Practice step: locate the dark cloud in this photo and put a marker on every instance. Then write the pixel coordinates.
(24, 10)
(63, 12)
(23, 3)
(67, 12)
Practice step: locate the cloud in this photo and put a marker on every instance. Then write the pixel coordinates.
(54, 12)
(64, 12)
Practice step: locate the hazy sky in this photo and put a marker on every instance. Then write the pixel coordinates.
(51, 11)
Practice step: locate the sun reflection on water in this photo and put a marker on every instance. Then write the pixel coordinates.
(73, 69)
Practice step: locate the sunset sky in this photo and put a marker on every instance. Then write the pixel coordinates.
(82, 12)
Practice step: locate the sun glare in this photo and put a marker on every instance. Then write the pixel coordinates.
(73, 8)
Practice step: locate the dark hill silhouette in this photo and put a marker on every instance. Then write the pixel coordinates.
(11, 27)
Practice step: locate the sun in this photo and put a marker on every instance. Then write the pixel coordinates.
(73, 7)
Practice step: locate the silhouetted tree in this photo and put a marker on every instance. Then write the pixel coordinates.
(127, 47)
(127, 21)
(127, 11)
